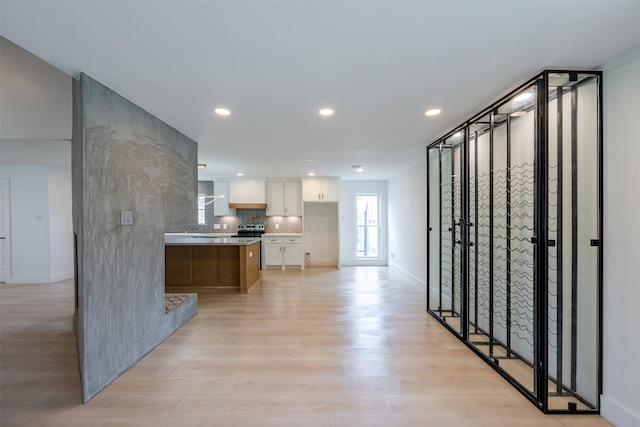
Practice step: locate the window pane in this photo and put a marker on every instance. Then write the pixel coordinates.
(201, 209)
(360, 241)
(367, 210)
(372, 241)
(367, 226)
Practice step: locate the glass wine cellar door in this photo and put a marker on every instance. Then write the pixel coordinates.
(514, 243)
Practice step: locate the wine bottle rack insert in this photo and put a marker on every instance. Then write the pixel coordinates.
(514, 262)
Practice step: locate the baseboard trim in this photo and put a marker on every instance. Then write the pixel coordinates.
(28, 279)
(61, 276)
(617, 414)
(41, 279)
(398, 268)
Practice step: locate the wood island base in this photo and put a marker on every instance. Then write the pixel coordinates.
(193, 268)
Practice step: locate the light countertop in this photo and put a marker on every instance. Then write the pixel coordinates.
(194, 239)
(199, 234)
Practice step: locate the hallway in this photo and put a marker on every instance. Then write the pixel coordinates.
(319, 347)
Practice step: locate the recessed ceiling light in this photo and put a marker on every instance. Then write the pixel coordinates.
(222, 111)
(239, 174)
(311, 174)
(358, 168)
(523, 96)
(325, 112)
(202, 165)
(308, 160)
(433, 112)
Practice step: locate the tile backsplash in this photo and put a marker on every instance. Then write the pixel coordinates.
(286, 224)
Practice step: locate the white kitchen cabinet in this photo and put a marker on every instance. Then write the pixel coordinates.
(275, 198)
(292, 255)
(221, 205)
(272, 253)
(249, 191)
(284, 198)
(282, 253)
(293, 198)
(316, 190)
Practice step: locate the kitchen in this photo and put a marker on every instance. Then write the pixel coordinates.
(268, 215)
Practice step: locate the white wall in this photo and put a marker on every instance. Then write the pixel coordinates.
(621, 237)
(35, 97)
(348, 191)
(407, 210)
(35, 133)
(40, 222)
(60, 225)
(29, 223)
(321, 233)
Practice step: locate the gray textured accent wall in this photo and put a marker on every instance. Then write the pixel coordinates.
(123, 158)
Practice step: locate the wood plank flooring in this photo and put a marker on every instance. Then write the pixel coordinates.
(320, 347)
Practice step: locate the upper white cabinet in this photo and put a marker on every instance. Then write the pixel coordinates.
(221, 205)
(293, 198)
(284, 198)
(275, 198)
(320, 190)
(247, 191)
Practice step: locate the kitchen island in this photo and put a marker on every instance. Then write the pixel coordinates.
(199, 262)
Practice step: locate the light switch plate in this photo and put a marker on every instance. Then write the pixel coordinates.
(126, 218)
(216, 226)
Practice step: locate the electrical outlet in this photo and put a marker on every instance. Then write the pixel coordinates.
(224, 226)
(277, 226)
(126, 218)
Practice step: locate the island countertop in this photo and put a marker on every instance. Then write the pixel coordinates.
(195, 240)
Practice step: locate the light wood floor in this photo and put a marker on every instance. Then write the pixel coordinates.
(321, 347)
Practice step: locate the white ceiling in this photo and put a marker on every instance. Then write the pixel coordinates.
(379, 64)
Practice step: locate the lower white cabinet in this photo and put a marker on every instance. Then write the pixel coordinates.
(272, 253)
(292, 255)
(280, 253)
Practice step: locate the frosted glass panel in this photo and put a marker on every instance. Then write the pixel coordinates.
(573, 226)
(433, 168)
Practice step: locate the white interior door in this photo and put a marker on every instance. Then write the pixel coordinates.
(5, 253)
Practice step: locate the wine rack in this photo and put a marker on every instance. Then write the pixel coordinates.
(514, 262)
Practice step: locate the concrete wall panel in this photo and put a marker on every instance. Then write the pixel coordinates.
(125, 159)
